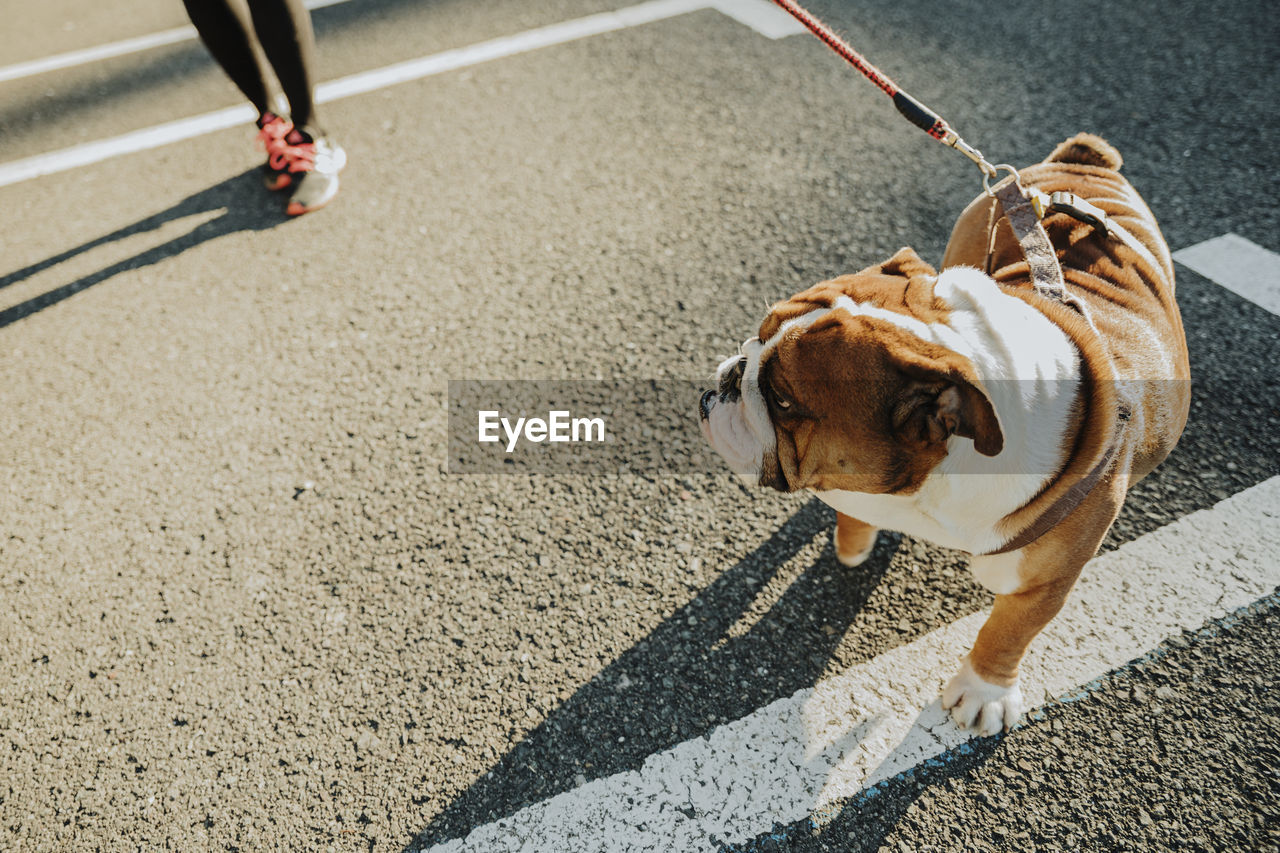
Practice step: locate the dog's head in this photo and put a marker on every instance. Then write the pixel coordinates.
(840, 391)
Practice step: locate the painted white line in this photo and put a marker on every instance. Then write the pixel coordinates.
(823, 745)
(94, 54)
(486, 51)
(114, 49)
(746, 11)
(762, 16)
(1241, 266)
(139, 140)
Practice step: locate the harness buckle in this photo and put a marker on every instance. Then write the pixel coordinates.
(1075, 207)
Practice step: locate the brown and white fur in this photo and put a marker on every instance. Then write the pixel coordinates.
(959, 406)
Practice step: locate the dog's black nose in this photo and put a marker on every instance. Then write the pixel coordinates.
(704, 405)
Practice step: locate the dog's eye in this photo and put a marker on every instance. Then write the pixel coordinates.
(781, 402)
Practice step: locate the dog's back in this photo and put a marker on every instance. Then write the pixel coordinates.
(1129, 293)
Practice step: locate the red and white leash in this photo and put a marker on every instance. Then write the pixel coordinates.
(1023, 208)
(914, 111)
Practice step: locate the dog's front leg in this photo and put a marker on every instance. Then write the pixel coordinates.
(1030, 585)
(985, 693)
(854, 540)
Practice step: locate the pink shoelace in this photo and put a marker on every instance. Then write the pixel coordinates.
(283, 155)
(272, 129)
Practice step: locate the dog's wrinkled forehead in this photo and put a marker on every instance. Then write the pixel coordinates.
(791, 318)
(781, 326)
(782, 313)
(899, 289)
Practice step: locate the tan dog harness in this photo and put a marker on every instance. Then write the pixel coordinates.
(1024, 210)
(1024, 215)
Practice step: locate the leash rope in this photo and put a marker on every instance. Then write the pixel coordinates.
(1023, 208)
(1023, 216)
(914, 111)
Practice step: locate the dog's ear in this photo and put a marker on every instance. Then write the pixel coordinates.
(905, 262)
(942, 396)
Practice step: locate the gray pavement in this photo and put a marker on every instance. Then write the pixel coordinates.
(1185, 761)
(199, 651)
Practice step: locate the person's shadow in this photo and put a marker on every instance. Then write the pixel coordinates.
(244, 206)
(696, 670)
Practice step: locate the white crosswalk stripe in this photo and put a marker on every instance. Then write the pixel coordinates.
(825, 744)
(1239, 265)
(124, 47)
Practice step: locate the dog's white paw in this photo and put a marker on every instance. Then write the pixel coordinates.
(977, 703)
(854, 558)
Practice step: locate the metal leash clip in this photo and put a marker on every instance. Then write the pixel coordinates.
(953, 139)
(1012, 177)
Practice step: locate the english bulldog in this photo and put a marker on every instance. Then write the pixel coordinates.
(966, 408)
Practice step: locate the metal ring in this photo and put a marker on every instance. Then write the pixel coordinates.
(986, 178)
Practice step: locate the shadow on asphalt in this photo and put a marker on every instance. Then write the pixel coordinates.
(244, 208)
(685, 678)
(865, 822)
(684, 681)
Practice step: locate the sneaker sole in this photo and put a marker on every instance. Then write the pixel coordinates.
(298, 209)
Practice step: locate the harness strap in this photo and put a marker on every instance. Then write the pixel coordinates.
(1071, 499)
(1024, 214)
(1024, 210)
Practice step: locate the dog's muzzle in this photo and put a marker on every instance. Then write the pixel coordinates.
(731, 379)
(734, 420)
(705, 404)
(728, 386)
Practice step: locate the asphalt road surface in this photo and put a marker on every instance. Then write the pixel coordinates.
(245, 605)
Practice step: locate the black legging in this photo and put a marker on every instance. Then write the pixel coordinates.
(282, 28)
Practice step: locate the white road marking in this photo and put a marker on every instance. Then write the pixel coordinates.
(1241, 266)
(762, 16)
(93, 54)
(128, 143)
(114, 49)
(750, 12)
(486, 51)
(790, 759)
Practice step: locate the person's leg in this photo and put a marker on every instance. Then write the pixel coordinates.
(311, 159)
(225, 29)
(284, 31)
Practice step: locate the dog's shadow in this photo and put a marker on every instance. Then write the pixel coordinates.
(686, 677)
(243, 206)
(868, 820)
